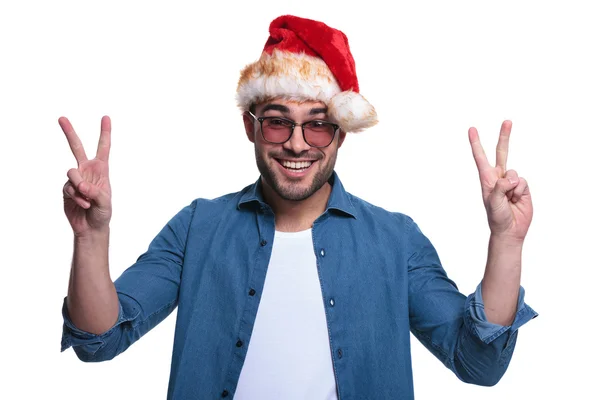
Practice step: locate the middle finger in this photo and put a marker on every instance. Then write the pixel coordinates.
(502, 147)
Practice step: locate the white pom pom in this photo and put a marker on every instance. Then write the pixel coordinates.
(352, 111)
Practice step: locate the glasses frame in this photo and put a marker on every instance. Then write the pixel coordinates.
(293, 127)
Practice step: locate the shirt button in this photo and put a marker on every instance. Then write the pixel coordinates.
(263, 242)
(252, 292)
(239, 343)
(331, 302)
(225, 393)
(339, 353)
(322, 252)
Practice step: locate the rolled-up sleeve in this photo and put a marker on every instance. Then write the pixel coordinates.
(487, 331)
(86, 344)
(453, 326)
(148, 292)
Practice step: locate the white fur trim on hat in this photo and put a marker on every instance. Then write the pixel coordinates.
(290, 75)
(298, 76)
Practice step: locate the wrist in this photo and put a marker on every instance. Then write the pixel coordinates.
(92, 236)
(506, 240)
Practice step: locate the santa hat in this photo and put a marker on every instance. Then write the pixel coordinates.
(307, 60)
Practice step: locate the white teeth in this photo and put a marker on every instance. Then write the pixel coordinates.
(296, 165)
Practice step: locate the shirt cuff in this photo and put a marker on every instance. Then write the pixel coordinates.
(487, 331)
(73, 336)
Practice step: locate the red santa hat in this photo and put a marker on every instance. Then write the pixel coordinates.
(307, 60)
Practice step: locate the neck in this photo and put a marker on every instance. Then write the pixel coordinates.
(296, 216)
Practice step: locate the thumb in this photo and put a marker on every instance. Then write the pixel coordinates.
(93, 192)
(504, 185)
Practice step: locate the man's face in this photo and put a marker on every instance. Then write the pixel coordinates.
(294, 170)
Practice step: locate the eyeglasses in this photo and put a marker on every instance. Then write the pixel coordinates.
(277, 130)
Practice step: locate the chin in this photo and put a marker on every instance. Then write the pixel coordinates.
(295, 190)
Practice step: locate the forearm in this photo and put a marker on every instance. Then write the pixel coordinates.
(501, 280)
(92, 300)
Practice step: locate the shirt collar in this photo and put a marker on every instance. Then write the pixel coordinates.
(339, 199)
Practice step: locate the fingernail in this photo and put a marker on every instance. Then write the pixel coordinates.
(512, 181)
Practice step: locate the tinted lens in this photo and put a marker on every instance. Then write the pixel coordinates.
(276, 130)
(319, 133)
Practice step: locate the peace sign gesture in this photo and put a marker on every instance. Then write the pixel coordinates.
(87, 194)
(506, 196)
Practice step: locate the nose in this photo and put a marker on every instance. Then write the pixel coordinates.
(297, 144)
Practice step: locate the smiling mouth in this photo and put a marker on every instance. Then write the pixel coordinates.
(295, 166)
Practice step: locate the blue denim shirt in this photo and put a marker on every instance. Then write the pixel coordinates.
(211, 259)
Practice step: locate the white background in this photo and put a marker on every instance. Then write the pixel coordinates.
(166, 73)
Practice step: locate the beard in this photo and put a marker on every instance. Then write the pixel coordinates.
(290, 189)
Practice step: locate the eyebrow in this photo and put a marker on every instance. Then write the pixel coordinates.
(315, 111)
(276, 107)
(285, 110)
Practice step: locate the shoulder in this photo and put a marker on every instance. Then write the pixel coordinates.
(229, 201)
(205, 209)
(377, 214)
(221, 201)
(389, 227)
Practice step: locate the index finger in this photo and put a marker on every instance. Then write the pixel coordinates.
(104, 141)
(73, 139)
(502, 147)
(478, 153)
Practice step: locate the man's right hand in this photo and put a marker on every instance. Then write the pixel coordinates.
(87, 194)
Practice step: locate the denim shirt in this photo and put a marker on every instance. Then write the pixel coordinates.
(211, 260)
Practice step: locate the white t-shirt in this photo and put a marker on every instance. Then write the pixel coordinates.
(289, 356)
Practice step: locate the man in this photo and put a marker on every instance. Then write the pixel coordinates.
(293, 288)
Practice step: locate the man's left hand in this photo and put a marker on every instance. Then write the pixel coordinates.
(506, 196)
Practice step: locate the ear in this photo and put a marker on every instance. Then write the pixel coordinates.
(249, 126)
(342, 137)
